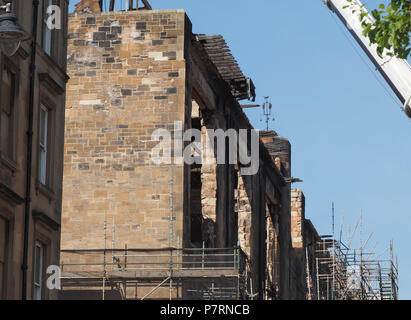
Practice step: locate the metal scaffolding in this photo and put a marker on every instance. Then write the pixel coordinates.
(344, 273)
(155, 273)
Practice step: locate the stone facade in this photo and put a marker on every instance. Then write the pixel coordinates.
(42, 206)
(297, 217)
(132, 73)
(298, 242)
(128, 75)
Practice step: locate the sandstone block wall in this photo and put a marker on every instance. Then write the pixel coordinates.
(127, 78)
(297, 217)
(297, 267)
(244, 211)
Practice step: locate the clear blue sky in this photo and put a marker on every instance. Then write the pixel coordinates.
(350, 141)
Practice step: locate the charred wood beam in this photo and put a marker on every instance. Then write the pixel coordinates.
(147, 5)
(89, 6)
(112, 5)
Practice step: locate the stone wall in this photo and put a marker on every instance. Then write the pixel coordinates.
(45, 199)
(297, 217)
(244, 211)
(298, 274)
(127, 78)
(132, 73)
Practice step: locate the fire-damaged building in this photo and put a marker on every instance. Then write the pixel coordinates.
(134, 229)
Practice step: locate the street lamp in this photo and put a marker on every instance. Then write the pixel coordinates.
(11, 35)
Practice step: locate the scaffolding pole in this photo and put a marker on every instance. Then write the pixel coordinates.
(171, 232)
(346, 273)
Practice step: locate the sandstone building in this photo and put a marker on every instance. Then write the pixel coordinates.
(133, 229)
(31, 153)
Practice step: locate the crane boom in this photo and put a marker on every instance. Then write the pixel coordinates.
(397, 72)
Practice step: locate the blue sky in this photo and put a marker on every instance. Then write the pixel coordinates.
(350, 140)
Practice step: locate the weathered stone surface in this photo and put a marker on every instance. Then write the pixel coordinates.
(297, 217)
(45, 199)
(244, 216)
(108, 170)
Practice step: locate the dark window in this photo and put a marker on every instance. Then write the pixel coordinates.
(38, 271)
(43, 144)
(47, 32)
(3, 256)
(7, 111)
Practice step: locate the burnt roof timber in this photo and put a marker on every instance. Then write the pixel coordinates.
(220, 55)
(272, 172)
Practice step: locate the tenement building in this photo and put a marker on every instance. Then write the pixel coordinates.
(136, 228)
(32, 94)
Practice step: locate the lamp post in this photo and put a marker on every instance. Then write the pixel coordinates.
(11, 34)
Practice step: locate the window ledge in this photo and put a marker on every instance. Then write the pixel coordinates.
(40, 216)
(9, 194)
(53, 63)
(11, 164)
(46, 191)
(50, 83)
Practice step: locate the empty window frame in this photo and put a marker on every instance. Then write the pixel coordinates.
(38, 271)
(8, 95)
(47, 32)
(43, 144)
(4, 228)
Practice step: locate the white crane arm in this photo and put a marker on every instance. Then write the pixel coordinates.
(397, 72)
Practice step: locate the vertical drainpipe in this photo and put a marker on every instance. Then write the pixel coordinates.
(29, 149)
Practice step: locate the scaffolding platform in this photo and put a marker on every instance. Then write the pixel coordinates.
(345, 273)
(195, 273)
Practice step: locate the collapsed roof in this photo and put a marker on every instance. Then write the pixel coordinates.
(91, 6)
(220, 55)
